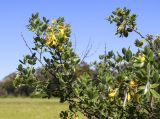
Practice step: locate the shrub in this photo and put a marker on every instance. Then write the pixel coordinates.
(125, 86)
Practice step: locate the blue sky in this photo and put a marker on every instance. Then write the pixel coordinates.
(87, 18)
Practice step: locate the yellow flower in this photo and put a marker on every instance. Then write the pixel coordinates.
(120, 29)
(53, 39)
(112, 93)
(76, 117)
(132, 83)
(60, 48)
(61, 31)
(65, 37)
(48, 40)
(140, 58)
(128, 96)
(54, 42)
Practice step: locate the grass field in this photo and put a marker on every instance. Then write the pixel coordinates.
(19, 108)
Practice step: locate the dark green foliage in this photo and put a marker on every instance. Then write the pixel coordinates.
(125, 21)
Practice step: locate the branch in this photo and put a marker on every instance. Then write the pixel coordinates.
(105, 52)
(26, 43)
(75, 44)
(148, 40)
(31, 49)
(138, 33)
(39, 60)
(87, 51)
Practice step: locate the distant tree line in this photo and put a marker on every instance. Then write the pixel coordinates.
(7, 87)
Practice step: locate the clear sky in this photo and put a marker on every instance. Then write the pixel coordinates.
(87, 18)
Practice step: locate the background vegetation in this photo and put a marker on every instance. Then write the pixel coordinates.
(7, 88)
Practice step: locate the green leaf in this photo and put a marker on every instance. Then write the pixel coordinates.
(44, 19)
(36, 15)
(146, 49)
(125, 33)
(110, 54)
(20, 67)
(128, 55)
(151, 56)
(154, 85)
(21, 61)
(138, 43)
(141, 87)
(155, 94)
(33, 55)
(33, 70)
(138, 65)
(124, 51)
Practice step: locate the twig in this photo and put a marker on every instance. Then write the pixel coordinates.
(138, 33)
(87, 51)
(148, 40)
(31, 49)
(75, 44)
(105, 52)
(26, 43)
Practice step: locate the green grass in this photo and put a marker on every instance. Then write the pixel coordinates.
(25, 108)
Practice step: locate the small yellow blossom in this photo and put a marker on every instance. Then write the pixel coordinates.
(48, 40)
(61, 31)
(76, 117)
(52, 35)
(120, 28)
(60, 48)
(128, 96)
(54, 42)
(132, 83)
(140, 58)
(65, 37)
(53, 38)
(112, 93)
